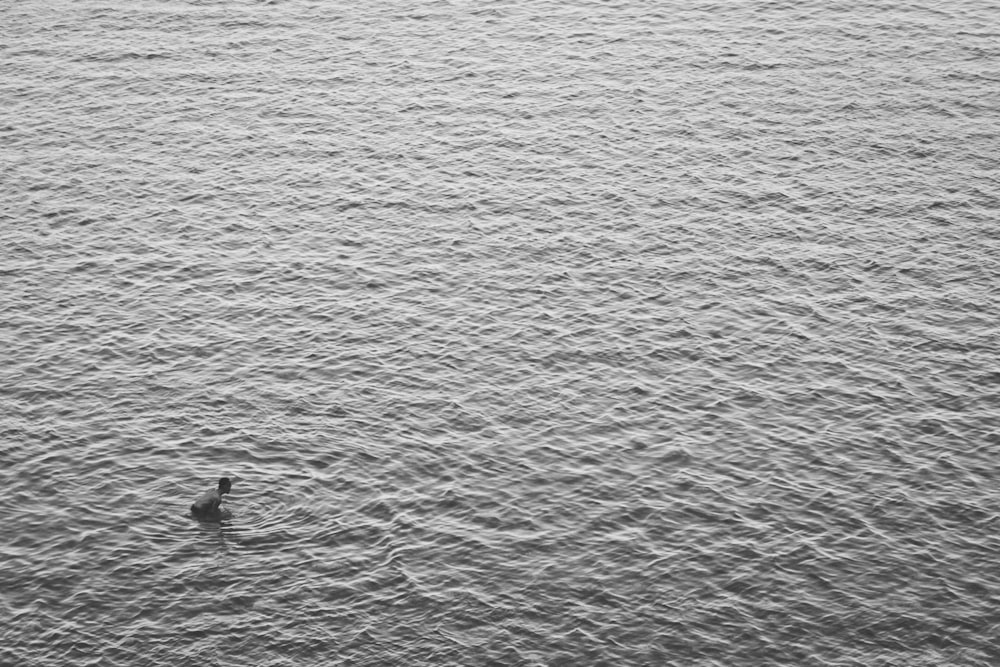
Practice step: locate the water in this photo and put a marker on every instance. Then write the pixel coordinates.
(531, 333)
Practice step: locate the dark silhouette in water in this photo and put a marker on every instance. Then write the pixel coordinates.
(207, 506)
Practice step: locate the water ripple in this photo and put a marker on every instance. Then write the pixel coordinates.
(529, 334)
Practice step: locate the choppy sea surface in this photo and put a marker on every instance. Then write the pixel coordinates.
(530, 332)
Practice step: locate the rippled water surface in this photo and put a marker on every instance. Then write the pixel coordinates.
(530, 332)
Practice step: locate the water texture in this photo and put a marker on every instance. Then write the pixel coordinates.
(531, 333)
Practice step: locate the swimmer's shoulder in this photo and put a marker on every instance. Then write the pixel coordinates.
(208, 501)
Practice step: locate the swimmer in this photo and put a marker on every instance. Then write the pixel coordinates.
(207, 507)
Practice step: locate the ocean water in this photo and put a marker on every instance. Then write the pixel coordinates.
(544, 333)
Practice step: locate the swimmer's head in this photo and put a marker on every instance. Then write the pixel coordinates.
(224, 485)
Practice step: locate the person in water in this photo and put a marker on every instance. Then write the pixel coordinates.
(207, 506)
